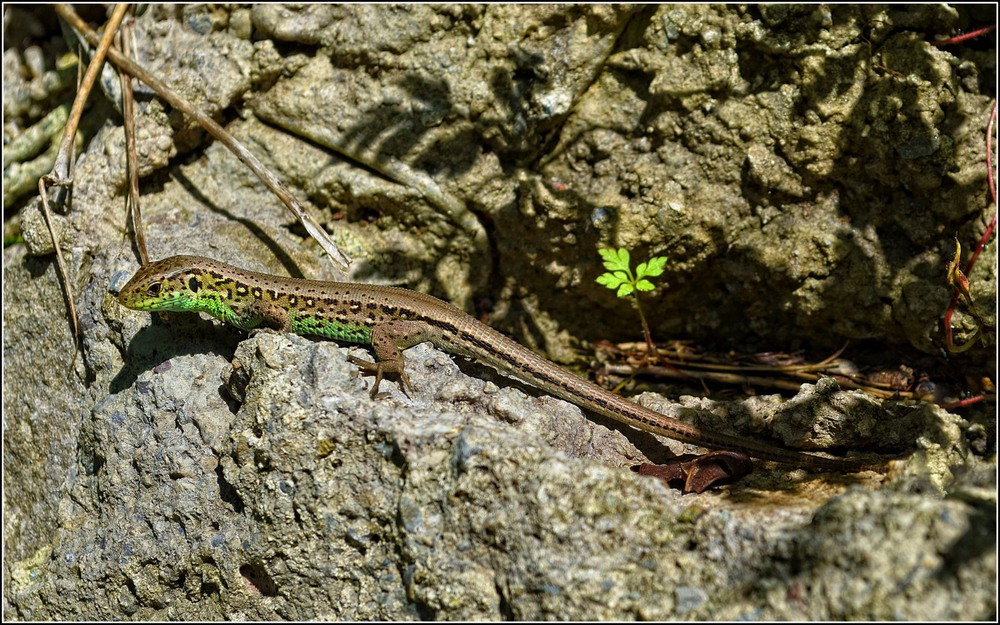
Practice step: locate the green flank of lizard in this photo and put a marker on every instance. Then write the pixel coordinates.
(392, 319)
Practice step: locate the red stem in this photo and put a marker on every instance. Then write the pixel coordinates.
(991, 182)
(993, 191)
(961, 38)
(968, 401)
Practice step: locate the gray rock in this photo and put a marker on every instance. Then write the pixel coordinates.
(805, 188)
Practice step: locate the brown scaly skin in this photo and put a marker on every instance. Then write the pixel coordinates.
(392, 319)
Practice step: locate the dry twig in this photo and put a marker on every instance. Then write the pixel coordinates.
(67, 13)
(61, 174)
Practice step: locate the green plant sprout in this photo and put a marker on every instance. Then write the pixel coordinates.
(620, 277)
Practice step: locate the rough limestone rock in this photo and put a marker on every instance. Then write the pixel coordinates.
(806, 170)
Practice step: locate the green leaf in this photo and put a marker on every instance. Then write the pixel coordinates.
(615, 260)
(653, 268)
(613, 280)
(607, 253)
(620, 276)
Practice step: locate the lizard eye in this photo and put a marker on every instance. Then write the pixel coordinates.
(154, 289)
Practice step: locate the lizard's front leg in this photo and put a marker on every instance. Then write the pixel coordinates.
(260, 315)
(389, 339)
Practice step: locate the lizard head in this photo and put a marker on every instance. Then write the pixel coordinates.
(172, 284)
